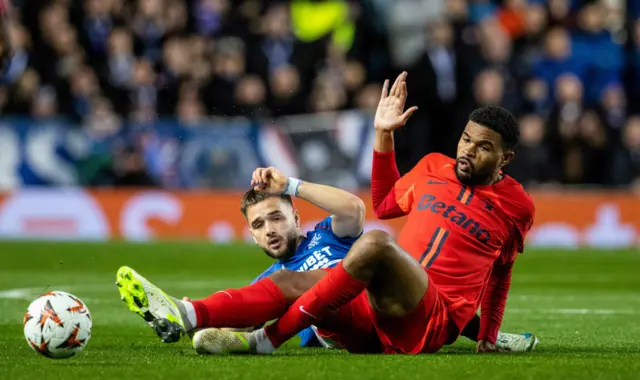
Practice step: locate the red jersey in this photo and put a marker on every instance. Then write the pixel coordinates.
(460, 234)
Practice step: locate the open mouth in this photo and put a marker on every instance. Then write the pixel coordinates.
(465, 165)
(274, 243)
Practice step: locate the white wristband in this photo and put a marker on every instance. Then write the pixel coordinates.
(292, 187)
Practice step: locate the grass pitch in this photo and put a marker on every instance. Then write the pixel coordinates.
(584, 305)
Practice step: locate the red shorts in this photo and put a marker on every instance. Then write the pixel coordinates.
(358, 329)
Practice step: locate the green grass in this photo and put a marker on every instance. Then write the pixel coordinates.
(584, 306)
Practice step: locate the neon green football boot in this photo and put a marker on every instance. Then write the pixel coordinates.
(165, 314)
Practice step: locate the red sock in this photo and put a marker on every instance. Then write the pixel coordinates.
(249, 306)
(330, 293)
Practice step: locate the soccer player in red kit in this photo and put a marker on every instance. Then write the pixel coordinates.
(466, 223)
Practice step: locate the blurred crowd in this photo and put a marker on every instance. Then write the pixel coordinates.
(569, 69)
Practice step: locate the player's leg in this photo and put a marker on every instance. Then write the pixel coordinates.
(350, 327)
(395, 282)
(249, 306)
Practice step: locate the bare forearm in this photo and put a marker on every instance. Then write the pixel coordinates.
(347, 209)
(383, 141)
(333, 200)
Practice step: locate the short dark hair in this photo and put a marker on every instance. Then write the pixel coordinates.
(499, 120)
(253, 197)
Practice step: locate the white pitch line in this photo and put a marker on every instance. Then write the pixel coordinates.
(19, 293)
(573, 311)
(78, 289)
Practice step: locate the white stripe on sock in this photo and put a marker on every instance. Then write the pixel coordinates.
(263, 344)
(191, 313)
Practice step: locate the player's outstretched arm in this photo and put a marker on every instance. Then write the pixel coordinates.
(347, 209)
(390, 115)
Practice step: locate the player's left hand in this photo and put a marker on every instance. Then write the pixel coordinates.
(390, 114)
(484, 347)
(270, 180)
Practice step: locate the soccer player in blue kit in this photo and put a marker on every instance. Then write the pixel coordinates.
(275, 226)
(324, 246)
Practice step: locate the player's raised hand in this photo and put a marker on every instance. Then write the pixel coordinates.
(270, 180)
(390, 114)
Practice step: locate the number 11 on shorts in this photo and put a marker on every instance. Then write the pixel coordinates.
(430, 255)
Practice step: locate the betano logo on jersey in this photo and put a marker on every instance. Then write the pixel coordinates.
(458, 217)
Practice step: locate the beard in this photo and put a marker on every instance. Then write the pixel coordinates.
(474, 177)
(291, 245)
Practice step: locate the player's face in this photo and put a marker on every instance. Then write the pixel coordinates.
(275, 226)
(480, 155)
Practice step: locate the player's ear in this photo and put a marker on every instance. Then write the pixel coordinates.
(507, 157)
(296, 217)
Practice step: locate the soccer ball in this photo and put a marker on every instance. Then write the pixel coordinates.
(57, 325)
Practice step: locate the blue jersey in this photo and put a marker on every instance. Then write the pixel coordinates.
(321, 248)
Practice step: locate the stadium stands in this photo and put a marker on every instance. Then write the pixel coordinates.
(123, 89)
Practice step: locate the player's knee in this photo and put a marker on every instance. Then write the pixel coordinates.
(374, 244)
(367, 253)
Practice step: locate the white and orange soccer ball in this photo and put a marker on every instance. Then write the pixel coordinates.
(57, 325)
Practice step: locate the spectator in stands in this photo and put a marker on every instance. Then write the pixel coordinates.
(595, 153)
(328, 94)
(149, 28)
(143, 92)
(559, 11)
(593, 46)
(175, 17)
(45, 104)
(250, 97)
(23, 93)
(190, 112)
(84, 86)
(625, 169)
(130, 170)
(613, 104)
(633, 68)
(284, 92)
(535, 165)
(496, 49)
(527, 45)
(120, 58)
(102, 123)
(228, 66)
(22, 57)
(96, 29)
(557, 62)
(564, 138)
